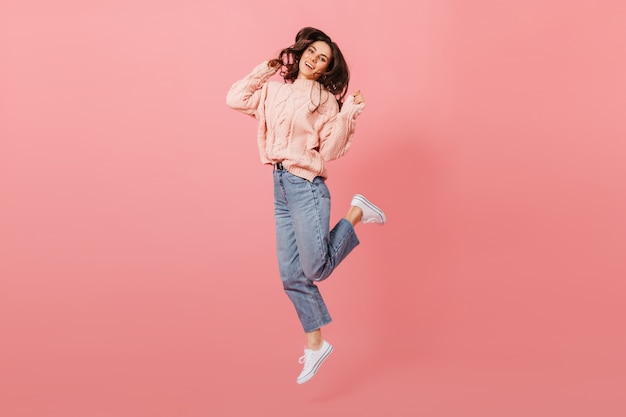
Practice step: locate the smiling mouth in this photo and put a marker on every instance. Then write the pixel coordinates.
(309, 65)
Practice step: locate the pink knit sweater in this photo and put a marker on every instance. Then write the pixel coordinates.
(288, 131)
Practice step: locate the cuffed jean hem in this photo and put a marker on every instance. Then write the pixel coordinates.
(311, 327)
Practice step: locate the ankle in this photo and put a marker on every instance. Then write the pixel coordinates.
(354, 215)
(315, 345)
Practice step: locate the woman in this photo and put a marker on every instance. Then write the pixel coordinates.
(304, 122)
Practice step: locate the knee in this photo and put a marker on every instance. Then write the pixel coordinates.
(316, 274)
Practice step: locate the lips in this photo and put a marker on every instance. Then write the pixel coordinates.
(309, 65)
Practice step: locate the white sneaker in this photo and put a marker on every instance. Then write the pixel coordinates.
(371, 213)
(312, 360)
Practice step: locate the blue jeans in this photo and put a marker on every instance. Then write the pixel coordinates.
(307, 250)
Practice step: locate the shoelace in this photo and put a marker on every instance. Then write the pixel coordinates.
(305, 359)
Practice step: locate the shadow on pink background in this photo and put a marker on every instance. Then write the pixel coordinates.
(137, 266)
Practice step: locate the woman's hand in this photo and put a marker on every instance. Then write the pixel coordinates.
(358, 97)
(274, 63)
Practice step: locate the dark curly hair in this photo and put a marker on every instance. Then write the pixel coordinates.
(337, 75)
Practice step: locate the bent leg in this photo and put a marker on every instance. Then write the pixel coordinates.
(320, 250)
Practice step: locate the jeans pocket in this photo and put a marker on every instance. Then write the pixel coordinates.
(320, 185)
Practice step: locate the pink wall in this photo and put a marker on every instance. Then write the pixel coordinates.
(137, 269)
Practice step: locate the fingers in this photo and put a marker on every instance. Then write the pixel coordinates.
(274, 63)
(358, 97)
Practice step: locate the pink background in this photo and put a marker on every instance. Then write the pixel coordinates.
(137, 266)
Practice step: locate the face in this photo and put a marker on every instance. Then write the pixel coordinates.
(314, 60)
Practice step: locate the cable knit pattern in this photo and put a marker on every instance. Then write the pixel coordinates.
(289, 132)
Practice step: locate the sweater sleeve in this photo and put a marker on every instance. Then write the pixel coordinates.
(337, 133)
(244, 95)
